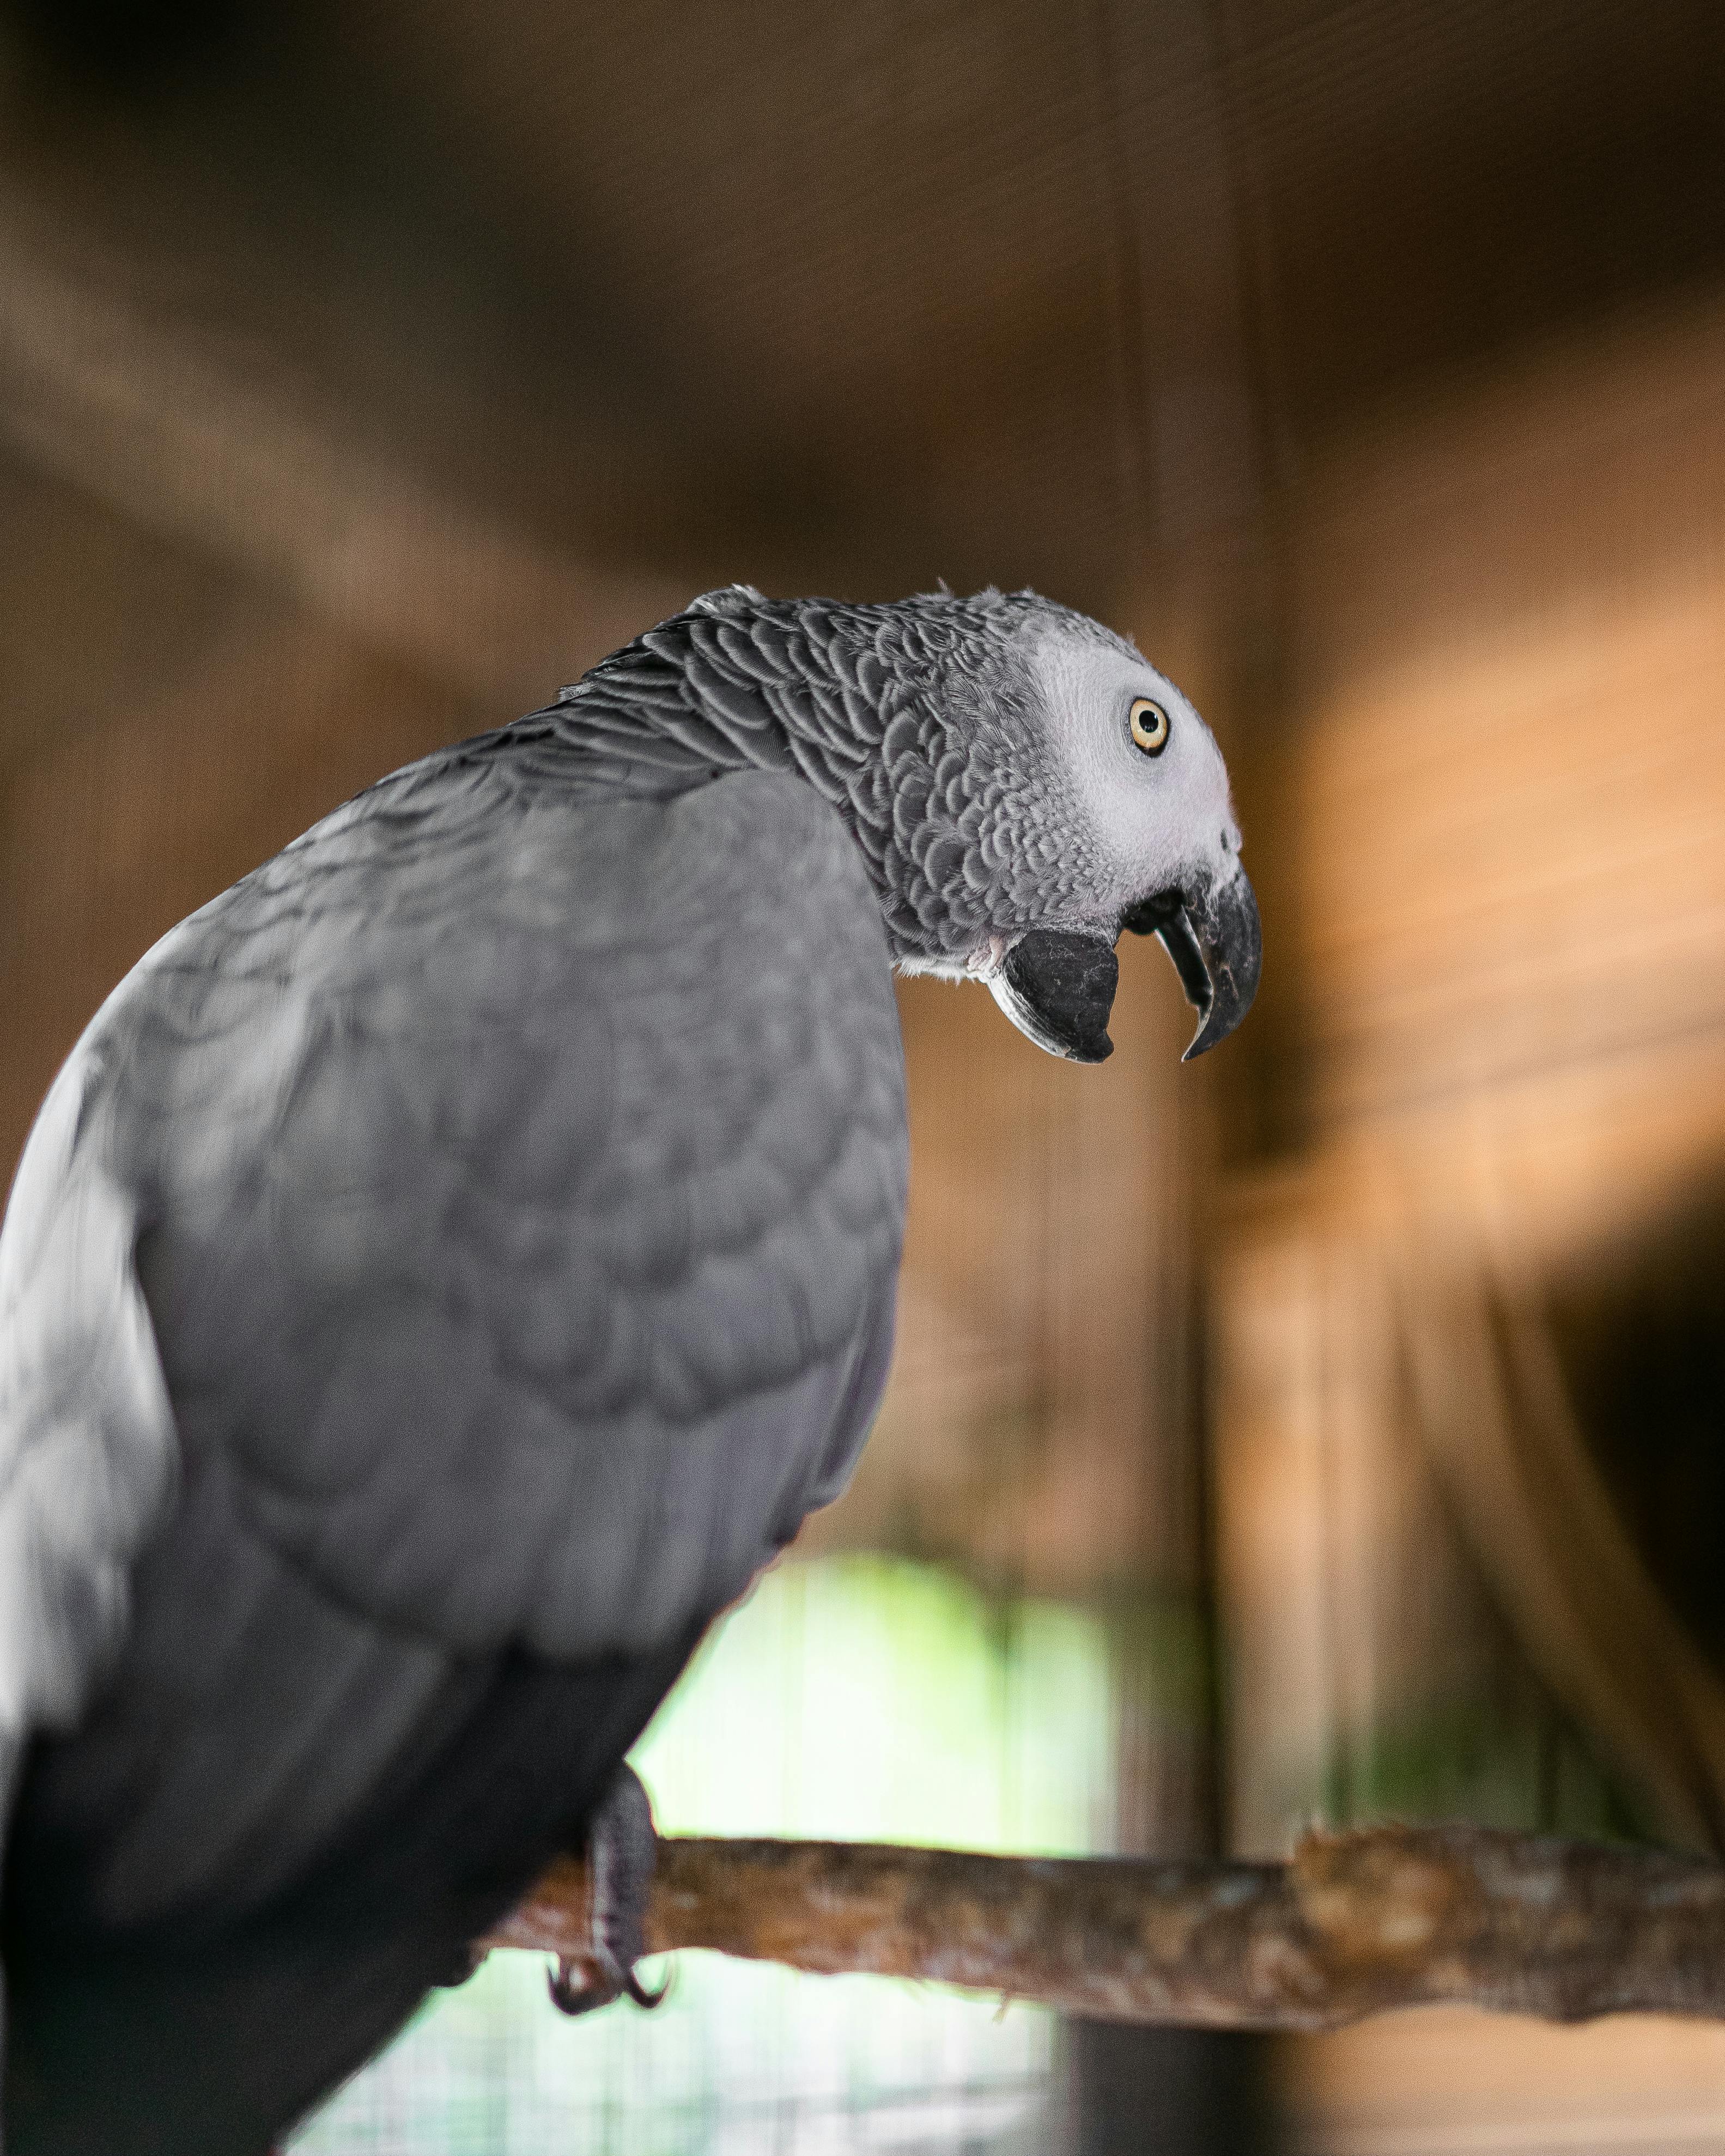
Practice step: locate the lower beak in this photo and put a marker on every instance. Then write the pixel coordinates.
(1058, 988)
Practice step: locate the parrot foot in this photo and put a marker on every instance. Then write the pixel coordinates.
(621, 1851)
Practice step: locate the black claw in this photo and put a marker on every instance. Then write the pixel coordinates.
(621, 1852)
(579, 1984)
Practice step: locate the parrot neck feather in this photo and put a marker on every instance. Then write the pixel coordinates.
(912, 720)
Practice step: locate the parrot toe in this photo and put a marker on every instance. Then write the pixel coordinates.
(622, 1849)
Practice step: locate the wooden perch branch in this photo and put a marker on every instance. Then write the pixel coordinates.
(1355, 1924)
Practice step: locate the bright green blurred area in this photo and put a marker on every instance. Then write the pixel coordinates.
(859, 1698)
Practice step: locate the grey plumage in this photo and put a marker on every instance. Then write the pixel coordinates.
(917, 720)
(449, 1265)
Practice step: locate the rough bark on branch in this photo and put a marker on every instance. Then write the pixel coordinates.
(1354, 1924)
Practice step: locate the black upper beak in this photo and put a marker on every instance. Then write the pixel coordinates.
(1212, 933)
(1058, 987)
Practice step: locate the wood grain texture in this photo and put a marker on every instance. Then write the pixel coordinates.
(1354, 1924)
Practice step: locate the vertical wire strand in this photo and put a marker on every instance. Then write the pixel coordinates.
(1127, 354)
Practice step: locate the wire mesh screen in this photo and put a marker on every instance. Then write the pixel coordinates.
(857, 1697)
(740, 2061)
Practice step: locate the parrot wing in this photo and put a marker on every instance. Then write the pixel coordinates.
(515, 1183)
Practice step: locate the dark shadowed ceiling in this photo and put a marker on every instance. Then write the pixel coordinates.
(999, 290)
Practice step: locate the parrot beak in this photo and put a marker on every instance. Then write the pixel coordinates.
(1212, 933)
(1058, 988)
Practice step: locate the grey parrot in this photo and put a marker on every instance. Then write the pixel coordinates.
(452, 1263)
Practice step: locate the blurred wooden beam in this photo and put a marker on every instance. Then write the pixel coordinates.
(1355, 1924)
(184, 438)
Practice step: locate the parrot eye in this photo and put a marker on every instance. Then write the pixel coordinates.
(1149, 726)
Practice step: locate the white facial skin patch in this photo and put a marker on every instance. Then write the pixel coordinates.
(1154, 820)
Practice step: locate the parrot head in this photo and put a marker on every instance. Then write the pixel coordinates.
(1022, 785)
(1122, 821)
